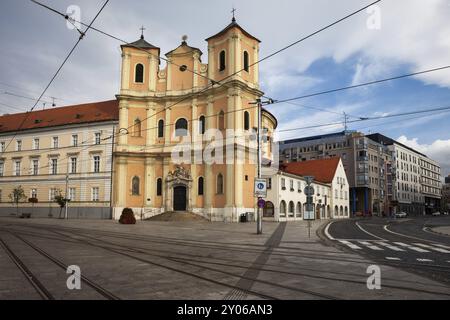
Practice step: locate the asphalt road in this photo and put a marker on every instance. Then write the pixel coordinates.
(406, 243)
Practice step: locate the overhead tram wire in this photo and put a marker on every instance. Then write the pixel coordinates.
(12, 107)
(322, 109)
(27, 97)
(56, 73)
(409, 118)
(213, 82)
(367, 119)
(361, 84)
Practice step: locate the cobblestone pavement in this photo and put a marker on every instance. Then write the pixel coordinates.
(189, 260)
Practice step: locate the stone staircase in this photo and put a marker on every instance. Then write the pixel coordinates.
(176, 216)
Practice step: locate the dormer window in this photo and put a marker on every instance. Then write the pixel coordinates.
(222, 60)
(139, 73)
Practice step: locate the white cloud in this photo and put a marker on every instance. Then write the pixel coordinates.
(438, 150)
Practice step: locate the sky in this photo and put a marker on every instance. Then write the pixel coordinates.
(396, 37)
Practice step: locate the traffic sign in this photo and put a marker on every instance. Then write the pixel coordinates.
(260, 188)
(309, 190)
(261, 203)
(309, 179)
(308, 215)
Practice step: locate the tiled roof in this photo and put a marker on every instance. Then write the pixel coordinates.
(323, 170)
(232, 25)
(76, 114)
(141, 43)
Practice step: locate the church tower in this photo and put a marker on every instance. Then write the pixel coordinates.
(233, 54)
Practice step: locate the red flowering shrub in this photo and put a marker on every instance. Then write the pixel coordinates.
(127, 217)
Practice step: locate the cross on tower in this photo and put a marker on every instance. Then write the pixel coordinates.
(233, 11)
(142, 32)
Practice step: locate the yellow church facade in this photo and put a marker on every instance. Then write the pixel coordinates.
(186, 137)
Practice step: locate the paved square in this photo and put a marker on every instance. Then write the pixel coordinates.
(190, 260)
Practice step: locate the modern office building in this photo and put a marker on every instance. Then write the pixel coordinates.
(445, 204)
(418, 178)
(366, 163)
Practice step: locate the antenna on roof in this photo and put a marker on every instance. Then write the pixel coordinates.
(345, 121)
(43, 105)
(53, 102)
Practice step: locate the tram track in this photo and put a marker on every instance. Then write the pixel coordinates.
(31, 278)
(98, 288)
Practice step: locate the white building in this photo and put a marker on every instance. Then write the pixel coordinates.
(286, 200)
(51, 145)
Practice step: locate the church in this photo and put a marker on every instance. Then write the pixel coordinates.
(186, 134)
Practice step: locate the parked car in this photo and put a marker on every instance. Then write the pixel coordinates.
(437, 213)
(401, 215)
(446, 213)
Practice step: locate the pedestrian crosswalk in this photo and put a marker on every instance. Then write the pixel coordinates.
(395, 246)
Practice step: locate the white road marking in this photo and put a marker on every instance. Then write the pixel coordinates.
(441, 245)
(393, 258)
(389, 246)
(370, 234)
(411, 247)
(424, 260)
(431, 247)
(348, 243)
(370, 246)
(404, 235)
(327, 233)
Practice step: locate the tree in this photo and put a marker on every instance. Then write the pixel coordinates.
(16, 196)
(60, 200)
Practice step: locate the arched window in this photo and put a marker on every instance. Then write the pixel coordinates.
(200, 186)
(159, 187)
(160, 128)
(342, 211)
(291, 208)
(135, 186)
(139, 73)
(299, 210)
(346, 211)
(282, 208)
(219, 183)
(246, 120)
(181, 127)
(137, 128)
(246, 63)
(201, 125)
(222, 60)
(336, 211)
(221, 119)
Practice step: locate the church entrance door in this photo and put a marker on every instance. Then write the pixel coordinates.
(179, 198)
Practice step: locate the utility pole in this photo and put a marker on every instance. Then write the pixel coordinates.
(259, 218)
(259, 105)
(66, 200)
(112, 172)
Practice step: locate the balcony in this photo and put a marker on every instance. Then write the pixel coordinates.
(361, 145)
(362, 158)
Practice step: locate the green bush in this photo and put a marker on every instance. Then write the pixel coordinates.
(127, 217)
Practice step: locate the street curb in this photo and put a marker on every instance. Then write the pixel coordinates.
(430, 229)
